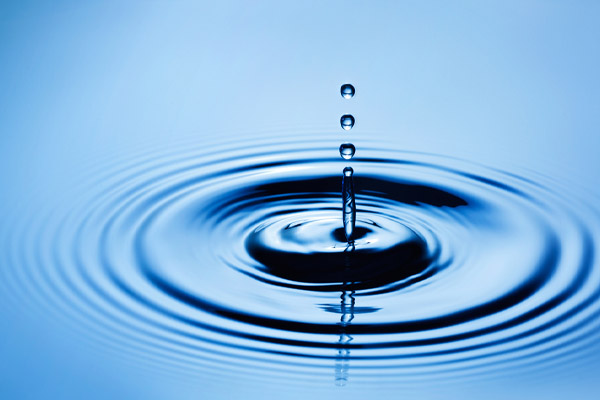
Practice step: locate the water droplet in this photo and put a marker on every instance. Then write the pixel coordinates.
(348, 171)
(347, 91)
(347, 122)
(347, 151)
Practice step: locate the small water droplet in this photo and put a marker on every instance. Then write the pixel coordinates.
(348, 171)
(347, 122)
(347, 91)
(347, 151)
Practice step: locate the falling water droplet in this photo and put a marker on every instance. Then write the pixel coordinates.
(347, 91)
(348, 204)
(347, 151)
(347, 122)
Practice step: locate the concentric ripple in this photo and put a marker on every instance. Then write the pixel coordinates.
(233, 257)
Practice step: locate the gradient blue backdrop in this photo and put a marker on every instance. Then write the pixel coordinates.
(513, 84)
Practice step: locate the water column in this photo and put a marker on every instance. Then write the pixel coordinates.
(347, 151)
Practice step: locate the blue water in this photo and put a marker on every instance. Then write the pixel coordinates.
(171, 201)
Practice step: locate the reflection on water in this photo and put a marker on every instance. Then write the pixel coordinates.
(342, 364)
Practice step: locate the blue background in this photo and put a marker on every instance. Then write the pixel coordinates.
(513, 84)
